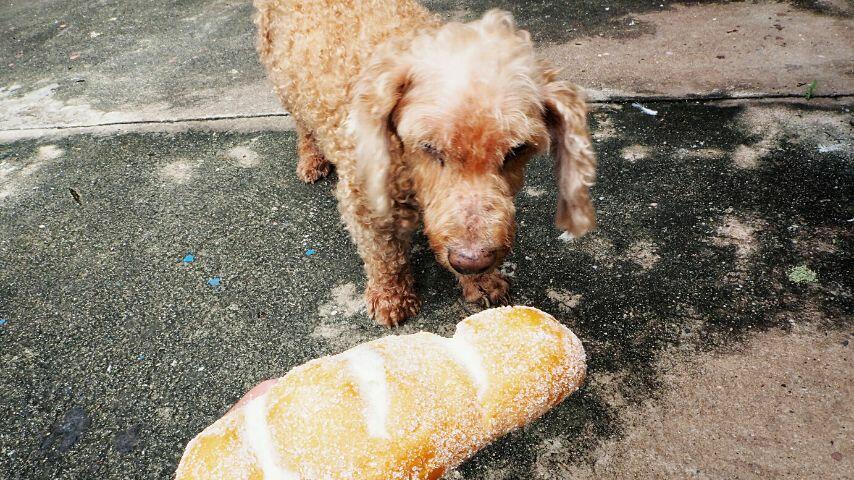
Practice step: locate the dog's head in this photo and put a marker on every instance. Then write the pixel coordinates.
(460, 112)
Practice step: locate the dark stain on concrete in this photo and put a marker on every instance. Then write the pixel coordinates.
(102, 307)
(555, 22)
(127, 440)
(552, 21)
(66, 432)
(837, 8)
(628, 314)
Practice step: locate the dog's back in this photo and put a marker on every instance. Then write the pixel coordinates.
(314, 49)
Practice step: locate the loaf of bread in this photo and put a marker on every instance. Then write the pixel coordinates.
(401, 407)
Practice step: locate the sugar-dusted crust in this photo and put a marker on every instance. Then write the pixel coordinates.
(401, 407)
(532, 362)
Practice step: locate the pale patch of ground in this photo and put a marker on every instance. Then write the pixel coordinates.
(48, 152)
(179, 172)
(739, 233)
(244, 156)
(534, 192)
(566, 300)
(732, 47)
(40, 107)
(345, 301)
(165, 415)
(339, 336)
(29, 112)
(643, 253)
(820, 130)
(634, 153)
(779, 407)
(336, 327)
(748, 157)
(604, 129)
(597, 246)
(835, 147)
(700, 152)
(14, 176)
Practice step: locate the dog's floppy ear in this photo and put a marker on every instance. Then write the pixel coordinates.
(575, 163)
(497, 20)
(375, 95)
(501, 22)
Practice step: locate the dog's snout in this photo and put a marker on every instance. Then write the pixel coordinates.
(471, 261)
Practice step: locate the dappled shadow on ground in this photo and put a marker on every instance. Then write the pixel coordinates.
(693, 250)
(713, 220)
(552, 21)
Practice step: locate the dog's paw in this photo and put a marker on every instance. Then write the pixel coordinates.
(491, 288)
(390, 306)
(313, 168)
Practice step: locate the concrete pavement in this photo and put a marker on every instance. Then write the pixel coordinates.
(88, 63)
(723, 254)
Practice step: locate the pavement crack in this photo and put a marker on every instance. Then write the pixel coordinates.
(12, 134)
(211, 118)
(624, 99)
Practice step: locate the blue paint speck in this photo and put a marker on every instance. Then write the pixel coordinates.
(2, 322)
(310, 252)
(141, 357)
(215, 281)
(188, 258)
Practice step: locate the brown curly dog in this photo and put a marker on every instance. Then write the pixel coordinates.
(424, 119)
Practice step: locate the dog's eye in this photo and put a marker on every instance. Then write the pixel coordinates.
(517, 152)
(434, 152)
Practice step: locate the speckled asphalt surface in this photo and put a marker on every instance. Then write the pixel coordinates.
(114, 352)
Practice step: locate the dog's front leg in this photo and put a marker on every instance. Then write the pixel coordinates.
(390, 291)
(492, 288)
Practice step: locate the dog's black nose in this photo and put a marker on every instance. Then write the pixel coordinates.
(471, 261)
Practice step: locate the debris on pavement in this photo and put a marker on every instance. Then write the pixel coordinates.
(76, 196)
(310, 252)
(188, 258)
(566, 237)
(3, 321)
(802, 274)
(811, 90)
(645, 110)
(508, 269)
(837, 147)
(215, 282)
